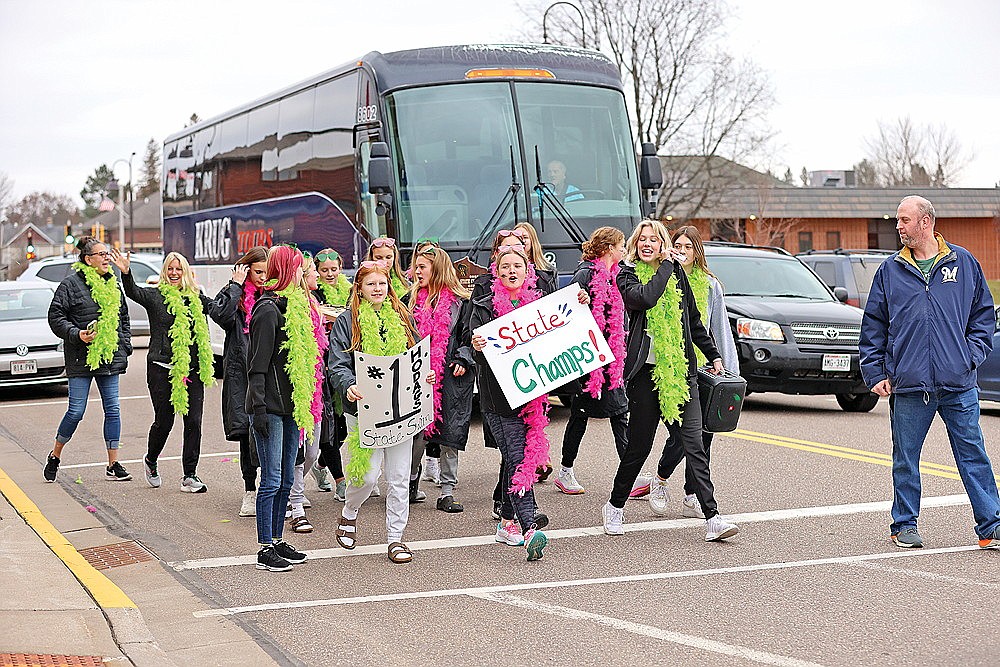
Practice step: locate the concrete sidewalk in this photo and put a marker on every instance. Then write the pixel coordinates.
(127, 610)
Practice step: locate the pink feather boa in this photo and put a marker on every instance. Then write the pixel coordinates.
(604, 291)
(536, 446)
(319, 330)
(250, 293)
(435, 321)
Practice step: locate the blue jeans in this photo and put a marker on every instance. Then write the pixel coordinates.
(910, 416)
(79, 390)
(277, 471)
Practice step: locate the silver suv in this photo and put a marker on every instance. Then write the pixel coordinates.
(145, 269)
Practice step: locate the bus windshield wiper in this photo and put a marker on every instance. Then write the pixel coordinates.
(545, 195)
(509, 198)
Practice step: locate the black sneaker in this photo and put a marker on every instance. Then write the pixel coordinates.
(116, 473)
(541, 520)
(497, 506)
(289, 553)
(51, 468)
(449, 504)
(268, 559)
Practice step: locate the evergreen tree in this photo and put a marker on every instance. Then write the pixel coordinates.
(95, 189)
(149, 172)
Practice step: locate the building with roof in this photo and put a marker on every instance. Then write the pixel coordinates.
(146, 224)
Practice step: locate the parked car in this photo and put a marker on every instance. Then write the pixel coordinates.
(29, 352)
(852, 270)
(145, 269)
(793, 335)
(989, 371)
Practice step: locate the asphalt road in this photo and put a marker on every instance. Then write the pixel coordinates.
(812, 577)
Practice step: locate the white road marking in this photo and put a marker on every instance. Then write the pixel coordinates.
(701, 643)
(63, 402)
(668, 524)
(601, 581)
(104, 464)
(929, 575)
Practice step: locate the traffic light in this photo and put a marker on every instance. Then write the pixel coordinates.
(29, 250)
(69, 234)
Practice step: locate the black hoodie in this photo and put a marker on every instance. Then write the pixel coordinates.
(269, 386)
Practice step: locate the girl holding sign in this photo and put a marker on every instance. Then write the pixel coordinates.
(377, 323)
(518, 432)
(661, 372)
(603, 394)
(439, 303)
(383, 249)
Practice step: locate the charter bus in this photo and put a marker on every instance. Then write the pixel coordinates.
(443, 143)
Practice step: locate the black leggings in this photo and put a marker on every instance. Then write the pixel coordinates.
(577, 427)
(689, 478)
(331, 438)
(510, 434)
(685, 440)
(248, 463)
(158, 380)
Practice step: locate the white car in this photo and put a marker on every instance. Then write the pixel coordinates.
(29, 352)
(145, 268)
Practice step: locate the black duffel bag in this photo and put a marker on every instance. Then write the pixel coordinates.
(721, 400)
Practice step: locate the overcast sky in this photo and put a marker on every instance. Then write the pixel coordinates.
(87, 83)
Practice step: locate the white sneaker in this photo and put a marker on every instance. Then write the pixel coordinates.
(566, 482)
(691, 507)
(613, 519)
(659, 497)
(719, 529)
(641, 486)
(509, 532)
(432, 470)
(193, 485)
(249, 506)
(320, 474)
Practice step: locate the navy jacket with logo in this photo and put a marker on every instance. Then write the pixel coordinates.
(925, 335)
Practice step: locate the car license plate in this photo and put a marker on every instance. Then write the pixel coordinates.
(836, 362)
(23, 367)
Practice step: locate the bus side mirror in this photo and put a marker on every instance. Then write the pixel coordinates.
(650, 175)
(379, 169)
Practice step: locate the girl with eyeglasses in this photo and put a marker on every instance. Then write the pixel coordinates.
(439, 305)
(231, 310)
(383, 249)
(376, 322)
(89, 314)
(180, 362)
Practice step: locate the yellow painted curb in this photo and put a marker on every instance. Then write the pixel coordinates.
(102, 589)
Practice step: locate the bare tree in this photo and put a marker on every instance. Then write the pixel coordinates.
(6, 189)
(686, 94)
(41, 208)
(902, 153)
(766, 229)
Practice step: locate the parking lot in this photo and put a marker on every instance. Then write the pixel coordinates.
(811, 579)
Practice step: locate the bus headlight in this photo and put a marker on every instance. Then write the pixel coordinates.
(750, 329)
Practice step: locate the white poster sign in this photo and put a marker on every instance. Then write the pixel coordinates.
(543, 345)
(397, 401)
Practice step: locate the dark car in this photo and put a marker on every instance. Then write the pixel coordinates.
(989, 371)
(792, 334)
(852, 270)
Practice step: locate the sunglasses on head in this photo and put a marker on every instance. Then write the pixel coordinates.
(374, 264)
(381, 243)
(519, 233)
(430, 251)
(332, 255)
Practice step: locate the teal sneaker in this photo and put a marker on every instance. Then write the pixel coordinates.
(908, 538)
(535, 541)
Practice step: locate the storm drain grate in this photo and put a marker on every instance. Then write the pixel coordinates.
(116, 555)
(39, 660)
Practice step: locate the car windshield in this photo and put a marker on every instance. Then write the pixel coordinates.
(864, 272)
(24, 304)
(767, 276)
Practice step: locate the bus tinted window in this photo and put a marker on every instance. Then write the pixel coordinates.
(295, 119)
(262, 132)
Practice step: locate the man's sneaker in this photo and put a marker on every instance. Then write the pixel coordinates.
(340, 494)
(992, 542)
(566, 482)
(640, 488)
(289, 553)
(497, 505)
(249, 505)
(432, 470)
(720, 529)
(193, 485)
(690, 507)
(614, 519)
(320, 474)
(659, 497)
(152, 475)
(509, 532)
(908, 538)
(268, 559)
(51, 468)
(535, 541)
(116, 473)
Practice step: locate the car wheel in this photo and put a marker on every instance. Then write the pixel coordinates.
(858, 402)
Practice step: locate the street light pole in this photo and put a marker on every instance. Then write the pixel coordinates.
(131, 205)
(583, 27)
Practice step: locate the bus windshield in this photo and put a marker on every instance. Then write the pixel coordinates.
(453, 147)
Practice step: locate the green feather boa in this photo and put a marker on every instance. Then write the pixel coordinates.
(698, 280)
(186, 317)
(107, 296)
(663, 324)
(399, 285)
(336, 295)
(393, 342)
(303, 351)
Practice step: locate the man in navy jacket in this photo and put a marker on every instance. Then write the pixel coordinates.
(927, 326)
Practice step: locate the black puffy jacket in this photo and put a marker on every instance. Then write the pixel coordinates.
(160, 321)
(71, 310)
(269, 386)
(226, 312)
